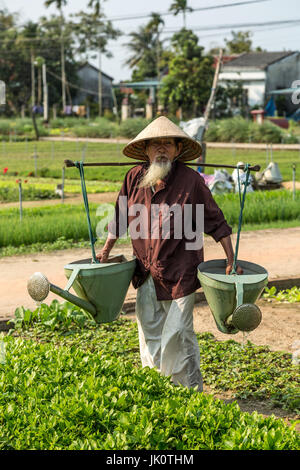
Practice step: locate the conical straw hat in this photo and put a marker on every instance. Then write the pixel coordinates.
(160, 128)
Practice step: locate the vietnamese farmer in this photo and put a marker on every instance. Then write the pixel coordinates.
(166, 245)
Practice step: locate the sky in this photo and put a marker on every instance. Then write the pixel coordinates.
(269, 37)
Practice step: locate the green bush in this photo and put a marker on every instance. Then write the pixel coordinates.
(233, 130)
(4, 127)
(267, 132)
(29, 193)
(211, 134)
(131, 127)
(241, 130)
(102, 129)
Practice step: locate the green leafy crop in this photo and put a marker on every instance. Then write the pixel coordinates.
(67, 383)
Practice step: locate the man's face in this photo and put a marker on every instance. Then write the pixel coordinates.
(162, 150)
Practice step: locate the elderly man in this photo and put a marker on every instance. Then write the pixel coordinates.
(166, 270)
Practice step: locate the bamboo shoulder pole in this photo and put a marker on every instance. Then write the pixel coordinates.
(70, 163)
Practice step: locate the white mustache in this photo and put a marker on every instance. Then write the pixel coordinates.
(156, 171)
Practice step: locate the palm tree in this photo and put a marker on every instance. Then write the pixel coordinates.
(156, 25)
(180, 6)
(145, 44)
(142, 41)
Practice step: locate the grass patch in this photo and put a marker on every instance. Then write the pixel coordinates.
(18, 158)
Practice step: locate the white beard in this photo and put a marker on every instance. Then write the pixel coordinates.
(156, 171)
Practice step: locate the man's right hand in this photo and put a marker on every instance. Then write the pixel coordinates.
(102, 256)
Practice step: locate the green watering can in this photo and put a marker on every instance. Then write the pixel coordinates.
(231, 297)
(101, 288)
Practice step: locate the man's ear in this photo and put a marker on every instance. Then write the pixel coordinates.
(179, 148)
(145, 148)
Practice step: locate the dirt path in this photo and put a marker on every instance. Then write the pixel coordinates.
(277, 250)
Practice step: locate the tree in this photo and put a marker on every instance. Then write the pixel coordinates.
(155, 26)
(59, 4)
(146, 49)
(13, 64)
(26, 42)
(231, 99)
(180, 6)
(50, 49)
(187, 85)
(239, 43)
(92, 33)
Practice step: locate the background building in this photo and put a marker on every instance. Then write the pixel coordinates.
(262, 72)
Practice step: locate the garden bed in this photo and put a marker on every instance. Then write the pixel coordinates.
(81, 386)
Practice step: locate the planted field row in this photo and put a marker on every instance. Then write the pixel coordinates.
(22, 129)
(19, 158)
(235, 129)
(69, 384)
(37, 189)
(48, 224)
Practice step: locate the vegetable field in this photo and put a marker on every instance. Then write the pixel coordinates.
(70, 384)
(19, 157)
(66, 222)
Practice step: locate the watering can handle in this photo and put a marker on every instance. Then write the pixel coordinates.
(72, 278)
(239, 293)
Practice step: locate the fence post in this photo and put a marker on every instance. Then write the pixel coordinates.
(63, 186)
(20, 199)
(35, 161)
(294, 181)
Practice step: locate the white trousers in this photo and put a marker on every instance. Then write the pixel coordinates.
(166, 336)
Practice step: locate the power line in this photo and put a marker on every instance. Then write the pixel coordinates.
(279, 23)
(72, 84)
(237, 25)
(166, 13)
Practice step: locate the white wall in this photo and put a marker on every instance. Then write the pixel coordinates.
(252, 80)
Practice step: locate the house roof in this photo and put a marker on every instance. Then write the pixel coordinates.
(258, 60)
(87, 64)
(144, 84)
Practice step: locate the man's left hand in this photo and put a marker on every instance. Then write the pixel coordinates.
(238, 269)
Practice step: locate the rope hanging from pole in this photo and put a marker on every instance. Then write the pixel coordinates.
(242, 203)
(93, 240)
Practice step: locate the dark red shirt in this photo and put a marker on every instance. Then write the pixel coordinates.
(172, 266)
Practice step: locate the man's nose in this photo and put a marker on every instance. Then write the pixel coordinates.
(162, 146)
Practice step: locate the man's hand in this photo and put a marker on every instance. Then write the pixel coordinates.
(102, 256)
(229, 268)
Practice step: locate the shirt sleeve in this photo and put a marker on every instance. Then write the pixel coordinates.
(119, 225)
(215, 224)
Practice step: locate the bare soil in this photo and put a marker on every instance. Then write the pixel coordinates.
(278, 250)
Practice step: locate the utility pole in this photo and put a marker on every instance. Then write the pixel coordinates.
(62, 59)
(32, 79)
(45, 88)
(63, 75)
(99, 80)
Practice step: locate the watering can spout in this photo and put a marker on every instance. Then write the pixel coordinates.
(39, 287)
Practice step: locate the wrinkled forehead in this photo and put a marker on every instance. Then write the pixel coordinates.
(162, 140)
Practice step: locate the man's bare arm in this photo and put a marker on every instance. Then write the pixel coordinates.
(227, 246)
(103, 255)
